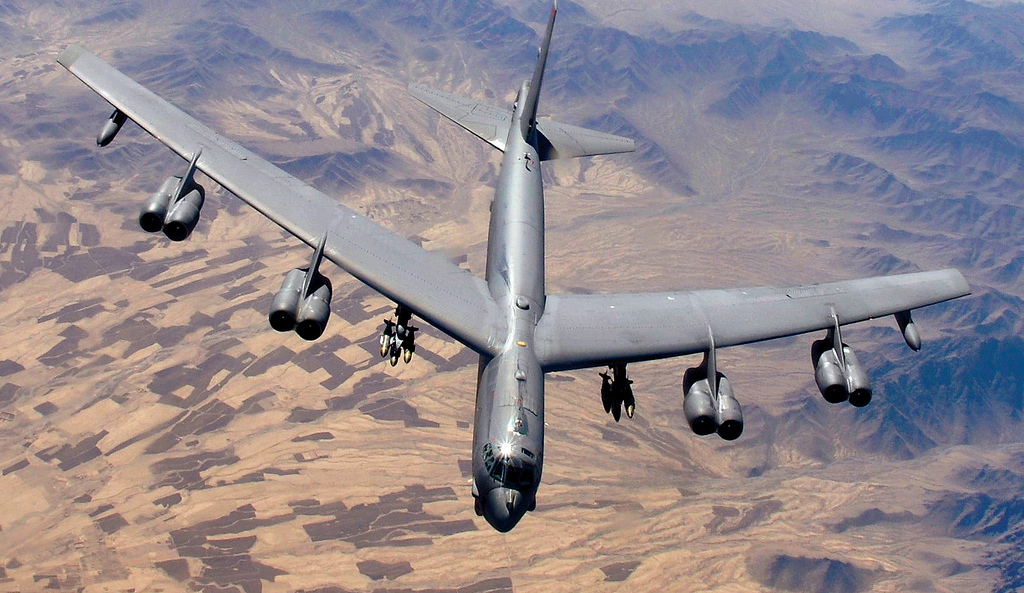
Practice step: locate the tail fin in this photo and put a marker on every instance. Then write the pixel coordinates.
(554, 140)
(529, 116)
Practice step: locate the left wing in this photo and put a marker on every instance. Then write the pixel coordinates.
(580, 331)
(448, 297)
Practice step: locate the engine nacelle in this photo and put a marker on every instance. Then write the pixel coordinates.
(827, 373)
(184, 214)
(284, 310)
(728, 414)
(698, 404)
(154, 210)
(315, 309)
(857, 380)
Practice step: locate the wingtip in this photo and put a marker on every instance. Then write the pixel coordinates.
(958, 286)
(70, 54)
(417, 91)
(965, 287)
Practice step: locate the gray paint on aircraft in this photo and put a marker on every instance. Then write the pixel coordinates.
(519, 331)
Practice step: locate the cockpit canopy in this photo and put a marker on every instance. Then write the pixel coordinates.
(513, 467)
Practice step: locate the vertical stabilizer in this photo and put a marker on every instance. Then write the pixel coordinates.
(529, 113)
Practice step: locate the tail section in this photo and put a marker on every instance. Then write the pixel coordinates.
(490, 124)
(559, 141)
(529, 111)
(554, 140)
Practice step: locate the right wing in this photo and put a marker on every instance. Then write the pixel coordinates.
(555, 140)
(581, 331)
(446, 296)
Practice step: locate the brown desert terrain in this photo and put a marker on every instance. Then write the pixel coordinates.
(157, 435)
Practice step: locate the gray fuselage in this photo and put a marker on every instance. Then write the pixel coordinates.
(508, 431)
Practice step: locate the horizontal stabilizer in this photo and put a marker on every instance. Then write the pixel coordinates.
(560, 141)
(555, 140)
(489, 123)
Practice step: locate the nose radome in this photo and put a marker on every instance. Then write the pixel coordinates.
(503, 508)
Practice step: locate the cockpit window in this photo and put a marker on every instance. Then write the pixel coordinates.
(516, 476)
(511, 471)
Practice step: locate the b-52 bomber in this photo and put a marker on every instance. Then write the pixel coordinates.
(519, 330)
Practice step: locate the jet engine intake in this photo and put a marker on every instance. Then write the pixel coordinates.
(698, 403)
(827, 373)
(176, 205)
(284, 310)
(839, 380)
(709, 403)
(154, 210)
(184, 214)
(858, 384)
(728, 413)
(307, 314)
(315, 309)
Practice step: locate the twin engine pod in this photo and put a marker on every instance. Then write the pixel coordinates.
(174, 208)
(839, 380)
(711, 410)
(302, 307)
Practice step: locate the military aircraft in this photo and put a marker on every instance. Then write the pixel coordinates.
(519, 330)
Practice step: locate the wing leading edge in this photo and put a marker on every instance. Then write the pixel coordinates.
(580, 331)
(448, 297)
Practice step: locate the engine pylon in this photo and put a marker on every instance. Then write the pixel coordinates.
(176, 206)
(837, 372)
(708, 401)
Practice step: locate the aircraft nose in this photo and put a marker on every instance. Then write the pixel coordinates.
(503, 508)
